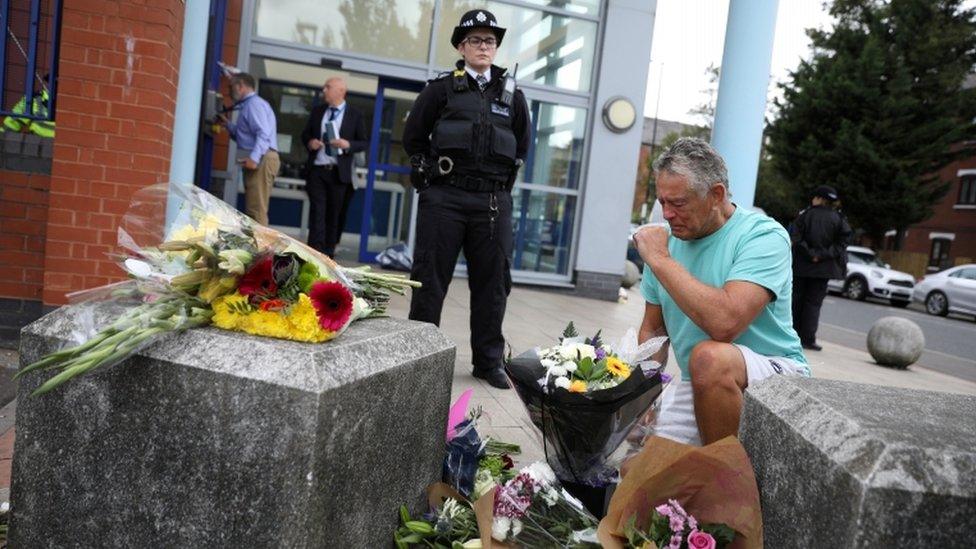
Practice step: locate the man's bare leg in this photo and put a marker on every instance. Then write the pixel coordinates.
(718, 377)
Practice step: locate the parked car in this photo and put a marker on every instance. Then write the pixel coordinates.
(869, 276)
(951, 290)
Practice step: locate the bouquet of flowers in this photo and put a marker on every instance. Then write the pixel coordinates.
(482, 497)
(533, 510)
(671, 527)
(676, 496)
(585, 398)
(216, 266)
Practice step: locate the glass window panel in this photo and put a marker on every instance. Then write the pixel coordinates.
(397, 29)
(543, 227)
(588, 7)
(552, 50)
(556, 151)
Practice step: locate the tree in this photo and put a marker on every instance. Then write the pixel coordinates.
(880, 108)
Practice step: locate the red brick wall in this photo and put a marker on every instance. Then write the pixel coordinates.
(116, 98)
(23, 215)
(947, 218)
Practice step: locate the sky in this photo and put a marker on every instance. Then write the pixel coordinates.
(690, 34)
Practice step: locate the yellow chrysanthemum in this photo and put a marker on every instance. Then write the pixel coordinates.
(618, 367)
(225, 315)
(577, 386)
(299, 324)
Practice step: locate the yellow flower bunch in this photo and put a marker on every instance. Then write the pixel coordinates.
(299, 323)
(205, 229)
(618, 367)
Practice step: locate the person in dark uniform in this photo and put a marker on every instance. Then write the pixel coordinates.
(820, 236)
(468, 134)
(330, 164)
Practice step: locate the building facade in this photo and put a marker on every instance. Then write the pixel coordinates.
(948, 237)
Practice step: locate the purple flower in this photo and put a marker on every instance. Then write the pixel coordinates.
(663, 510)
(600, 353)
(677, 523)
(665, 378)
(675, 542)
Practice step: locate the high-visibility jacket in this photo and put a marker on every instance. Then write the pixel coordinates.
(43, 128)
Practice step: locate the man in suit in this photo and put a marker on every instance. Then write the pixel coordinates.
(330, 164)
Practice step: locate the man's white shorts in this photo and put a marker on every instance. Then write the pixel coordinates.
(677, 418)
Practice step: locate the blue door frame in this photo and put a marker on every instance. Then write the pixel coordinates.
(376, 163)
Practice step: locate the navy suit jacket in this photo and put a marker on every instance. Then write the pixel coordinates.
(353, 129)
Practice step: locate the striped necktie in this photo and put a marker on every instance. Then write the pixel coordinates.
(482, 82)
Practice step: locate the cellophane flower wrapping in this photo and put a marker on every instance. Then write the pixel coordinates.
(533, 510)
(582, 433)
(194, 260)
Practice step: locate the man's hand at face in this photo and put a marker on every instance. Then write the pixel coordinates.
(652, 244)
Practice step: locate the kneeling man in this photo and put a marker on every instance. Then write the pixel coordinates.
(719, 284)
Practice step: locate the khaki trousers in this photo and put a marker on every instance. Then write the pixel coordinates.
(257, 186)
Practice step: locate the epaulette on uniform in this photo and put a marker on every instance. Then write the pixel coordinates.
(440, 76)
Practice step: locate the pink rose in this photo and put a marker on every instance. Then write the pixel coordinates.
(700, 540)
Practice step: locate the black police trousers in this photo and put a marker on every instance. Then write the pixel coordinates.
(450, 220)
(808, 296)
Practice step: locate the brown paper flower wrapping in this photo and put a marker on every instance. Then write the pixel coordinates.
(714, 483)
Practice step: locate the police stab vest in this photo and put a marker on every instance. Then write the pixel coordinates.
(475, 131)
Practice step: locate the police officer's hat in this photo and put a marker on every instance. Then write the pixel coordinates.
(476, 19)
(825, 191)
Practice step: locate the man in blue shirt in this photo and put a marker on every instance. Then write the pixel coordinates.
(719, 283)
(256, 134)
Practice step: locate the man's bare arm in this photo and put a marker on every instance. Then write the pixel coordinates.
(653, 323)
(722, 313)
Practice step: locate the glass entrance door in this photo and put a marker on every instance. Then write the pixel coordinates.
(388, 204)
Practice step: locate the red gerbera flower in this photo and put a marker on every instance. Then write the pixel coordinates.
(333, 304)
(258, 281)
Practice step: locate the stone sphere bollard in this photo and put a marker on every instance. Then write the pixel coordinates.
(895, 341)
(632, 275)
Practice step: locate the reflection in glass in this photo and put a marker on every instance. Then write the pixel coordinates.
(556, 152)
(388, 28)
(552, 50)
(588, 7)
(390, 215)
(292, 105)
(543, 226)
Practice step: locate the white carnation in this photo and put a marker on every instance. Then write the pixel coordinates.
(557, 371)
(516, 527)
(500, 527)
(562, 382)
(570, 366)
(541, 473)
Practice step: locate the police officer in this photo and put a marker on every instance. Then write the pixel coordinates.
(820, 236)
(467, 134)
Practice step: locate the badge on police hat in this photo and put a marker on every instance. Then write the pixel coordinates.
(475, 19)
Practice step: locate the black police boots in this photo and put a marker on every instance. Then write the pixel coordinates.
(495, 377)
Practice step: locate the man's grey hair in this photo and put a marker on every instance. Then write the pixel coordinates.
(695, 160)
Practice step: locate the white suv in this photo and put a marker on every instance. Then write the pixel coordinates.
(868, 276)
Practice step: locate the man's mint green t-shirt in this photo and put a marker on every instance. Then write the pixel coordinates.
(752, 247)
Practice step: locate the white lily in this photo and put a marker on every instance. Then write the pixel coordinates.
(234, 261)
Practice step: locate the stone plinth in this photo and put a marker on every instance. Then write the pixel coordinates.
(851, 465)
(220, 439)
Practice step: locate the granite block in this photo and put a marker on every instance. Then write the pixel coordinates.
(220, 439)
(854, 465)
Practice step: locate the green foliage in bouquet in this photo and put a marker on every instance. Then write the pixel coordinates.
(453, 522)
